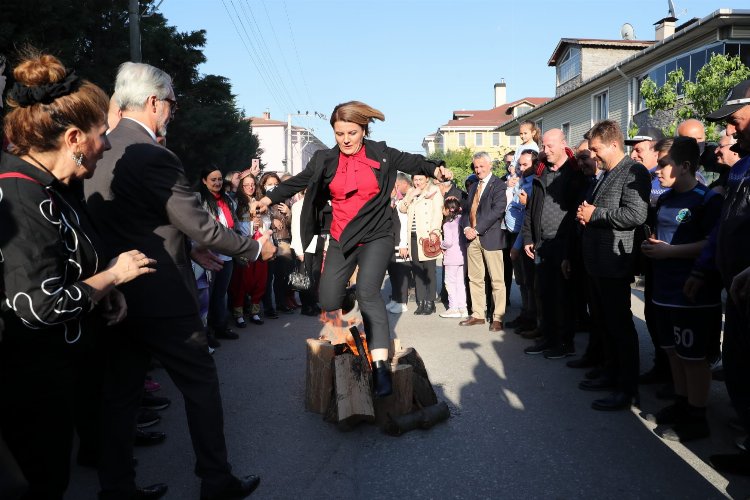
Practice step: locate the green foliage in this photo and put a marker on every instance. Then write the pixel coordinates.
(711, 87)
(92, 36)
(458, 161)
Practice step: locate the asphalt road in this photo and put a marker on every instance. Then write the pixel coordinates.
(519, 427)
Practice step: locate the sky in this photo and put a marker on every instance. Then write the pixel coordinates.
(417, 61)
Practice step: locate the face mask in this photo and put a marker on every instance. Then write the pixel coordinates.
(270, 188)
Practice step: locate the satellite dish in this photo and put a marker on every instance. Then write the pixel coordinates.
(627, 32)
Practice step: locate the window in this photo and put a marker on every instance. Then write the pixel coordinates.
(478, 139)
(569, 65)
(513, 140)
(600, 106)
(565, 127)
(461, 140)
(496, 139)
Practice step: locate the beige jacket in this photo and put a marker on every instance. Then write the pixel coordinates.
(428, 209)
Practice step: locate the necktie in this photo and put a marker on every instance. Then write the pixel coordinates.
(475, 204)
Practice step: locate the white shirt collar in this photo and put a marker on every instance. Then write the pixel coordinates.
(150, 132)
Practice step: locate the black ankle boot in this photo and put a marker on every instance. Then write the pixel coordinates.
(429, 307)
(381, 379)
(420, 307)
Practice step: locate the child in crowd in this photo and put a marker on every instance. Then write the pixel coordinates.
(454, 256)
(689, 326)
(529, 135)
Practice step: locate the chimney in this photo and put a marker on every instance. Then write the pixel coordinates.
(266, 115)
(664, 28)
(500, 97)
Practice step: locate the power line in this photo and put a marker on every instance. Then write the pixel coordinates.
(239, 34)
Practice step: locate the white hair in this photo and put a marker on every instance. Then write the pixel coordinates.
(136, 82)
(482, 155)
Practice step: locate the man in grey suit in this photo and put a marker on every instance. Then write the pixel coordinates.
(482, 229)
(617, 209)
(141, 197)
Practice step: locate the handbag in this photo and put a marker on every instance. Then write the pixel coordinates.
(430, 249)
(299, 279)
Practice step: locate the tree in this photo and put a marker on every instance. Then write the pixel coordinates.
(92, 36)
(459, 161)
(712, 84)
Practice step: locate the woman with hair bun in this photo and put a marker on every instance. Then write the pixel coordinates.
(52, 270)
(356, 176)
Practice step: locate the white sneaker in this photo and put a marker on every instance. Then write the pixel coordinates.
(390, 304)
(451, 313)
(397, 308)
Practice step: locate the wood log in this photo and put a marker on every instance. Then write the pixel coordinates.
(401, 401)
(352, 390)
(319, 375)
(424, 394)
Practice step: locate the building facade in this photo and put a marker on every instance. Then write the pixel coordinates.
(584, 97)
(478, 129)
(274, 137)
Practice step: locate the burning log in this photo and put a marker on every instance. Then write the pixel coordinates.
(319, 376)
(400, 401)
(352, 391)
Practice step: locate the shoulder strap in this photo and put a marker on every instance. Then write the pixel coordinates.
(18, 175)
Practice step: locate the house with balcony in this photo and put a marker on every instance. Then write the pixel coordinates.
(601, 79)
(276, 136)
(478, 129)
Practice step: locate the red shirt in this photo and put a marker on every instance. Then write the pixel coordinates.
(353, 185)
(222, 205)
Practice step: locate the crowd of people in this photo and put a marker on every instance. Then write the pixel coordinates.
(111, 259)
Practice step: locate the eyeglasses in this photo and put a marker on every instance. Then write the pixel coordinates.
(172, 106)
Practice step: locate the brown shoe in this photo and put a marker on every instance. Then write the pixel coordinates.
(496, 326)
(471, 321)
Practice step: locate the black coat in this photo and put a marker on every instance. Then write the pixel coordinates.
(373, 221)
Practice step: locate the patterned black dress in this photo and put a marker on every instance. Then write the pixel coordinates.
(47, 249)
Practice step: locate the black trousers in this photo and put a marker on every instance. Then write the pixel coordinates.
(736, 358)
(425, 277)
(399, 273)
(36, 407)
(373, 258)
(610, 307)
(180, 345)
(555, 293)
(313, 266)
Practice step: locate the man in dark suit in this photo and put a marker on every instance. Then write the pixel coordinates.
(617, 207)
(486, 208)
(141, 198)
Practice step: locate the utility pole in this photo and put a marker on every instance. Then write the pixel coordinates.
(135, 31)
(288, 164)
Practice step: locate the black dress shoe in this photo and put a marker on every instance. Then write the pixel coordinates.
(151, 492)
(429, 307)
(148, 438)
(597, 384)
(615, 401)
(238, 488)
(381, 379)
(420, 307)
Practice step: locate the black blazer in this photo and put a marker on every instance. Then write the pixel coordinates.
(140, 198)
(490, 212)
(374, 219)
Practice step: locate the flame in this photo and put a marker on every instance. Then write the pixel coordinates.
(336, 330)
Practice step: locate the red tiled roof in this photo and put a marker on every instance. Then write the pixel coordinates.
(491, 117)
(259, 121)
